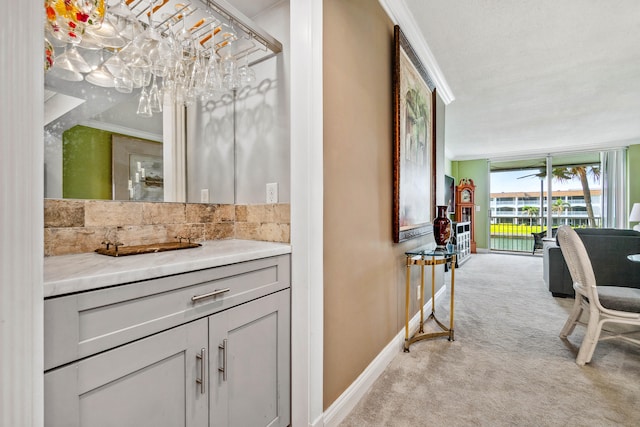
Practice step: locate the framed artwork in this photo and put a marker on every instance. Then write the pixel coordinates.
(137, 169)
(450, 194)
(414, 143)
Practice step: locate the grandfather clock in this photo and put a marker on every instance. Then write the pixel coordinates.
(465, 206)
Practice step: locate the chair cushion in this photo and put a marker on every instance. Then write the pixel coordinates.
(607, 232)
(619, 298)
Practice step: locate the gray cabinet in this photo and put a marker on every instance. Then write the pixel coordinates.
(150, 354)
(249, 364)
(150, 382)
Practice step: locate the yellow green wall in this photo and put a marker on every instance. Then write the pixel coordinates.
(86, 163)
(478, 171)
(633, 160)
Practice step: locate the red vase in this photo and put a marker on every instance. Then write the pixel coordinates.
(442, 227)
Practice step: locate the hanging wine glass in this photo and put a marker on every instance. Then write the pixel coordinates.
(67, 21)
(184, 38)
(65, 69)
(114, 64)
(102, 25)
(155, 97)
(135, 61)
(246, 75)
(48, 55)
(125, 21)
(144, 108)
(123, 80)
(101, 75)
(94, 11)
(224, 35)
(198, 74)
(140, 71)
(213, 79)
(62, 20)
(180, 81)
(90, 42)
(107, 35)
(151, 42)
(78, 61)
(162, 58)
(229, 73)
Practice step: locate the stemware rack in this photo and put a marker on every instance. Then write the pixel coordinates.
(199, 15)
(214, 30)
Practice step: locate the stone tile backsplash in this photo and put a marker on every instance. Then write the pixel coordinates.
(255, 222)
(77, 226)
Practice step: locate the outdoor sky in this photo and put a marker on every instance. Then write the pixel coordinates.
(525, 180)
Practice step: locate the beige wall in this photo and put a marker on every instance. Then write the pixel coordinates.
(363, 269)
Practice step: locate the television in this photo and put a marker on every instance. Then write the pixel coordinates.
(450, 193)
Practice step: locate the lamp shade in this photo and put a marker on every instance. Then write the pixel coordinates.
(634, 216)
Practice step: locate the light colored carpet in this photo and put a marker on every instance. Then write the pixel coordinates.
(508, 366)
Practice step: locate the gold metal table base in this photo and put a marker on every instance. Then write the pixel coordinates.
(447, 331)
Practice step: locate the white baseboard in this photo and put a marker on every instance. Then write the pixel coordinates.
(344, 404)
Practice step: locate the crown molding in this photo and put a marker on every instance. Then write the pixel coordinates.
(123, 130)
(544, 151)
(400, 14)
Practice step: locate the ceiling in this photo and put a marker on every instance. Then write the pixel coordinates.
(531, 77)
(527, 77)
(252, 8)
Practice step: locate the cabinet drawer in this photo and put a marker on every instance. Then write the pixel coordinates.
(79, 325)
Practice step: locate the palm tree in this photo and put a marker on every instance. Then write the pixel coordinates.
(564, 174)
(580, 172)
(559, 206)
(531, 211)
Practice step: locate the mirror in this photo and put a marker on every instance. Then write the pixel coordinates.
(99, 146)
(81, 121)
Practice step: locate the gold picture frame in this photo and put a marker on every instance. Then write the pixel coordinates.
(414, 143)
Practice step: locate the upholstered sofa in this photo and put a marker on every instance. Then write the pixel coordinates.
(607, 248)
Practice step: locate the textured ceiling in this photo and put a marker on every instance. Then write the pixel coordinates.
(252, 8)
(535, 76)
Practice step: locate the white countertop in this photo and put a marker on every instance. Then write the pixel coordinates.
(66, 274)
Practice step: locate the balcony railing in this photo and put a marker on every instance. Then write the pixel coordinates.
(514, 233)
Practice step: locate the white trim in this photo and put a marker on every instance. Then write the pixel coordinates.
(306, 123)
(399, 13)
(22, 218)
(344, 404)
(543, 152)
(110, 127)
(174, 151)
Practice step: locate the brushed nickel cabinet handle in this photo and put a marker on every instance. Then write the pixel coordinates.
(223, 347)
(203, 370)
(210, 294)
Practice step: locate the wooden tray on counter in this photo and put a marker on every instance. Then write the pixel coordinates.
(145, 249)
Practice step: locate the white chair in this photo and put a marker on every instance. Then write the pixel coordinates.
(605, 304)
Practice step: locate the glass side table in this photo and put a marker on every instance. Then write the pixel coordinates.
(428, 255)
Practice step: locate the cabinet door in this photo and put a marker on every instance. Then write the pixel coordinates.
(249, 363)
(150, 382)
